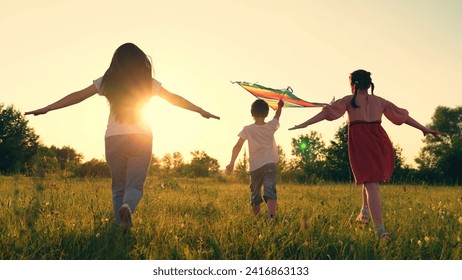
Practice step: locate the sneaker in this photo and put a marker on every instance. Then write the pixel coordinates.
(362, 218)
(125, 214)
(385, 237)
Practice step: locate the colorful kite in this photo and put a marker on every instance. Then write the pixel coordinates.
(272, 96)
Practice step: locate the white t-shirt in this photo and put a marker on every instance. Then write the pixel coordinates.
(262, 145)
(116, 128)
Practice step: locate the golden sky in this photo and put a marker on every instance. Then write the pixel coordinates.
(51, 48)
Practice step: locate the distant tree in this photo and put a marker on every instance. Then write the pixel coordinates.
(44, 162)
(284, 168)
(310, 153)
(242, 168)
(18, 142)
(440, 160)
(67, 157)
(177, 162)
(167, 162)
(155, 165)
(308, 148)
(93, 168)
(282, 164)
(337, 161)
(399, 159)
(202, 165)
(402, 173)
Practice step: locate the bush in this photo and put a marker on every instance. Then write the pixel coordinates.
(92, 168)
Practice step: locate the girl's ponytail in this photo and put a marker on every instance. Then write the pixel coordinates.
(353, 101)
(360, 79)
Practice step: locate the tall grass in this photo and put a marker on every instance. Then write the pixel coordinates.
(56, 218)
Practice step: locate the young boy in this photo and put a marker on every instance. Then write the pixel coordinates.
(263, 156)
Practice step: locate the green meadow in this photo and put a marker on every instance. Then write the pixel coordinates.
(57, 218)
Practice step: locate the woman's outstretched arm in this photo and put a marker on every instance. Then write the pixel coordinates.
(181, 102)
(66, 101)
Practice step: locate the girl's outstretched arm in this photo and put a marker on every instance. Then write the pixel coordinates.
(68, 100)
(181, 102)
(425, 130)
(317, 118)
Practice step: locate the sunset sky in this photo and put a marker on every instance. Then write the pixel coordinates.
(51, 48)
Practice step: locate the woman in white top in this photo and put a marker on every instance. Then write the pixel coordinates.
(128, 85)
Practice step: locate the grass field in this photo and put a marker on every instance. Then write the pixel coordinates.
(57, 218)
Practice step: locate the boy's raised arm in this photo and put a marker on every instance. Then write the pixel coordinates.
(277, 115)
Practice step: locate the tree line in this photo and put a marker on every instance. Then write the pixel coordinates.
(438, 162)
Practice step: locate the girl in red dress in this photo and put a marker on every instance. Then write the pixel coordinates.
(370, 150)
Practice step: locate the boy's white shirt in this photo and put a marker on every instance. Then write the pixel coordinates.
(262, 144)
(116, 128)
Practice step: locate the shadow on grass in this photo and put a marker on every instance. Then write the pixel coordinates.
(24, 237)
(106, 242)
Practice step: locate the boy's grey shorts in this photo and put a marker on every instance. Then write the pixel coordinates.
(266, 176)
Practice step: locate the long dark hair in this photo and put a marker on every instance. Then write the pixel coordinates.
(361, 79)
(127, 82)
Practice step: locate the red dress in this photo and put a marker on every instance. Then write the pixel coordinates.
(372, 158)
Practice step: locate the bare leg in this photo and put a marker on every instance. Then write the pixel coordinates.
(375, 208)
(365, 202)
(271, 208)
(374, 202)
(256, 209)
(363, 216)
